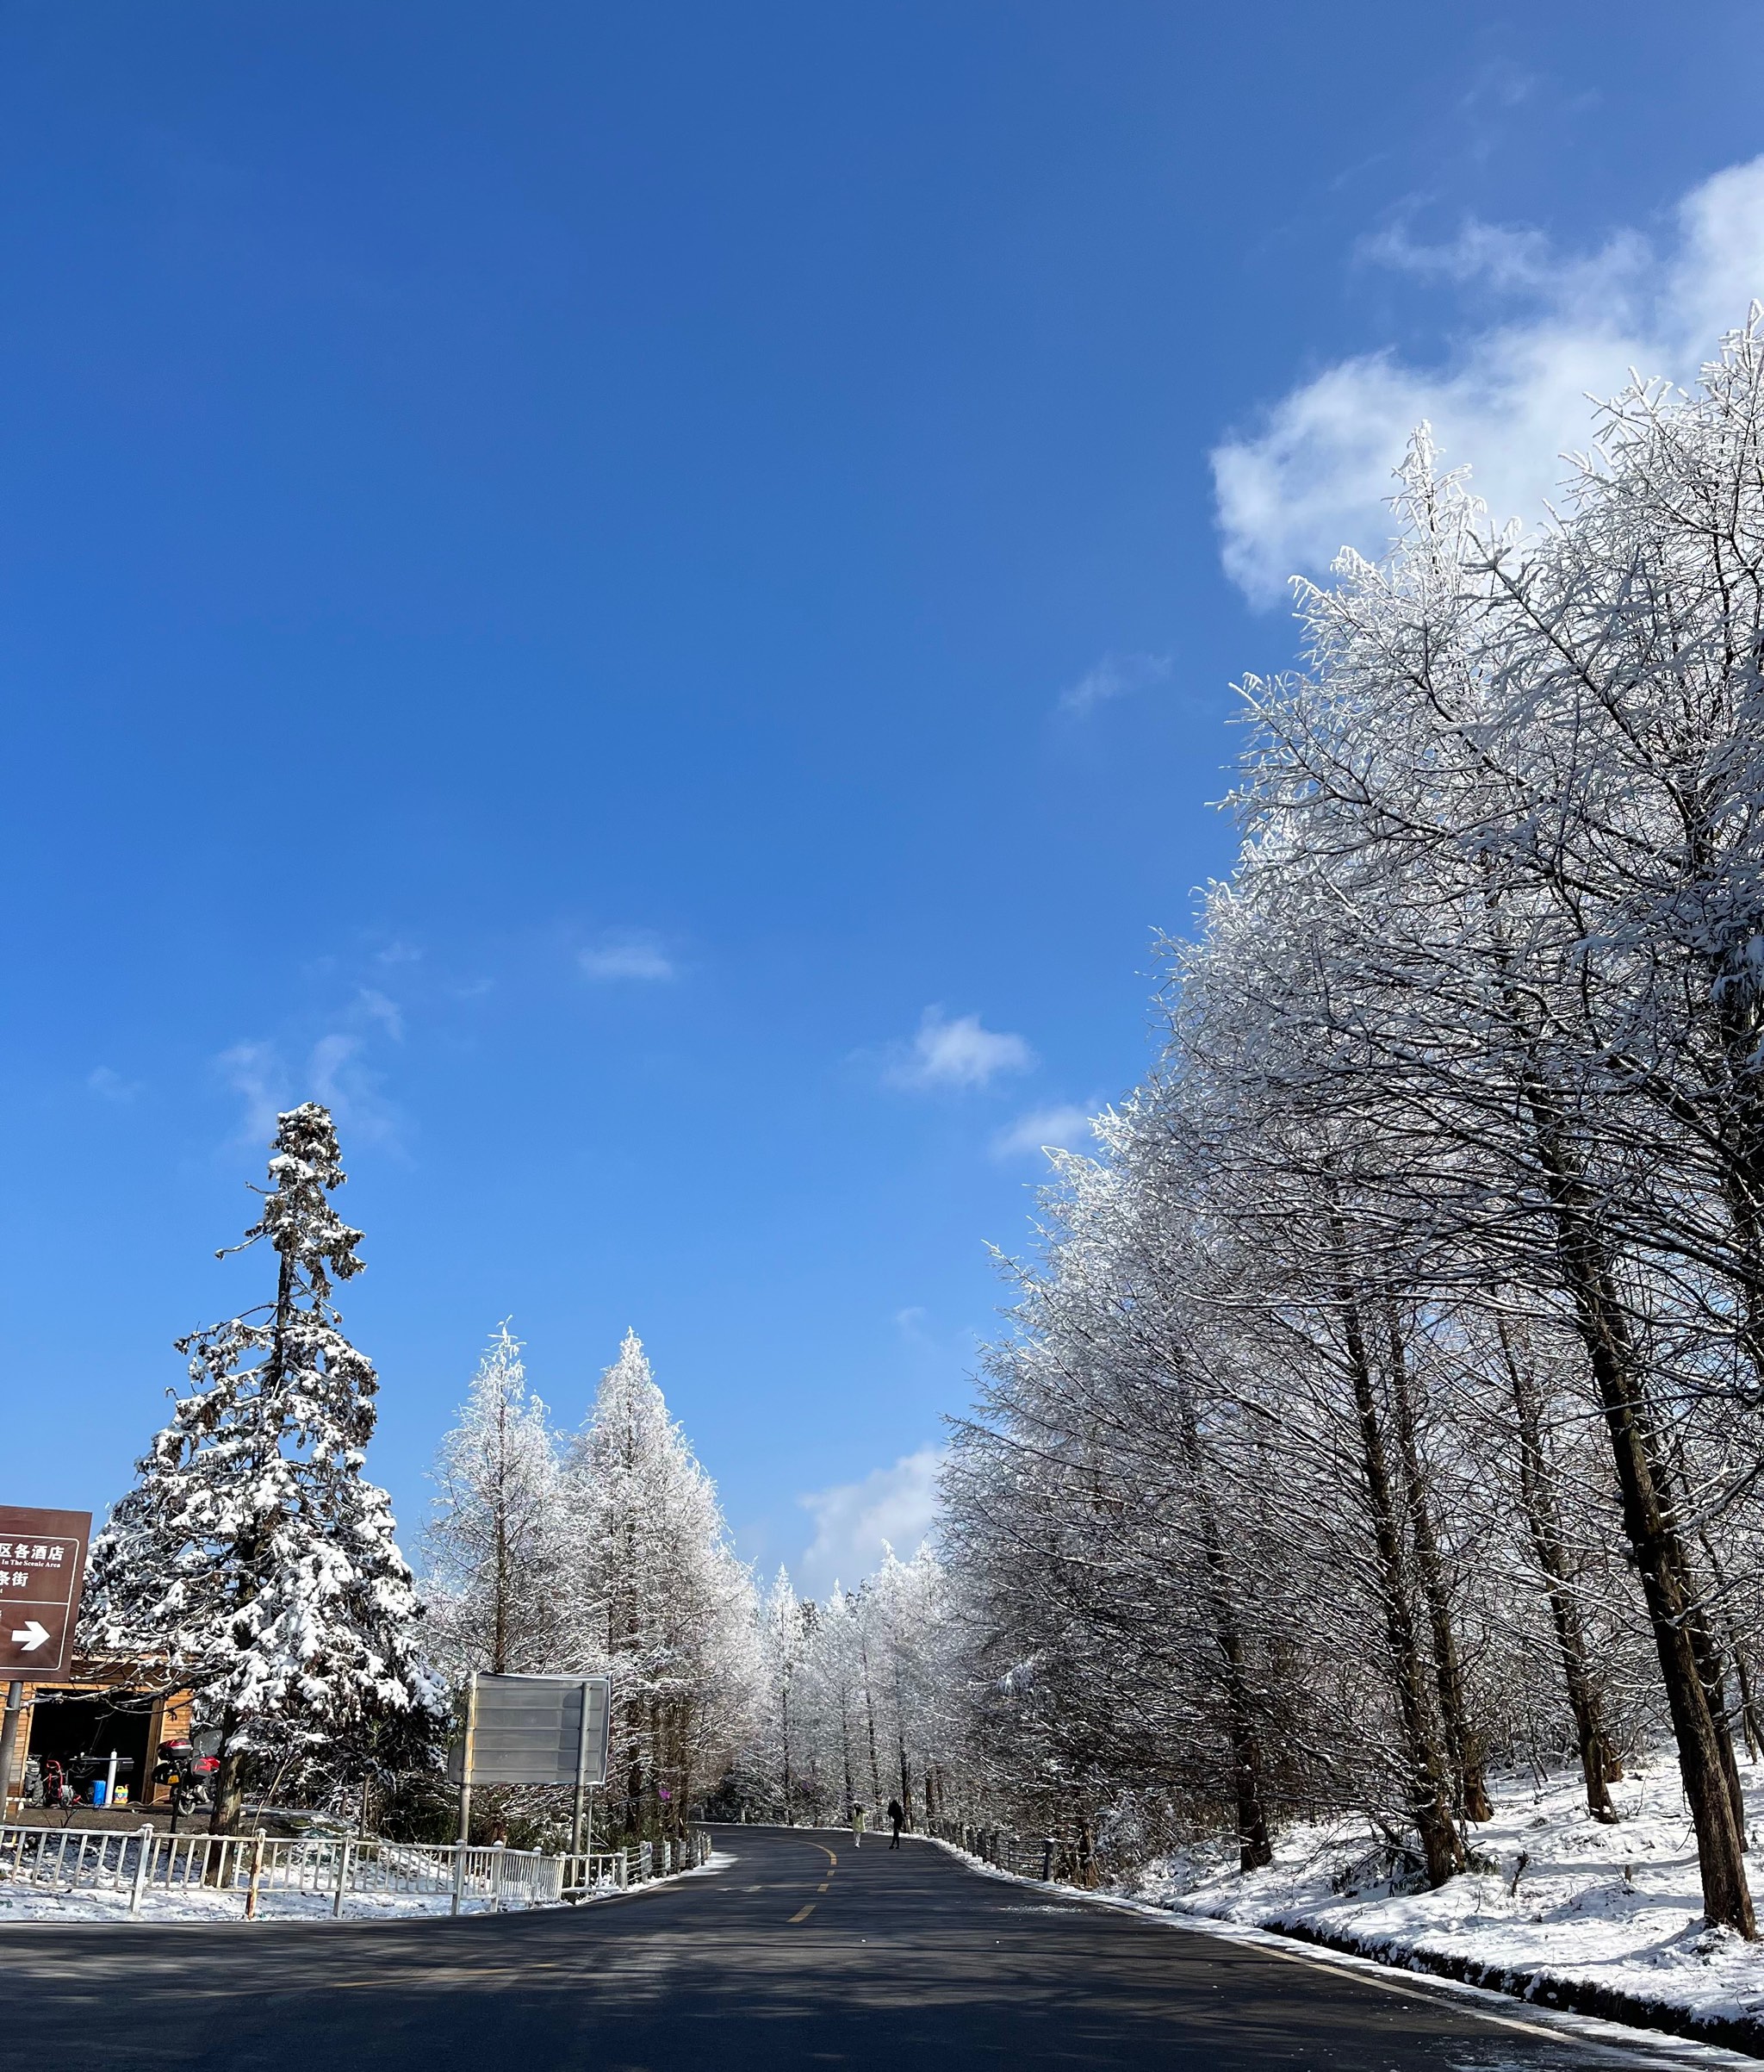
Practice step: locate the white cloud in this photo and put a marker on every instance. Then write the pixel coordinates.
(378, 1008)
(110, 1086)
(855, 1521)
(1114, 676)
(339, 1077)
(958, 1054)
(1067, 1127)
(1511, 398)
(255, 1072)
(632, 955)
(331, 1058)
(335, 1074)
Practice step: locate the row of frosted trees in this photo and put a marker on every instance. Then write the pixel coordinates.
(1384, 1409)
(602, 1551)
(858, 1701)
(255, 1563)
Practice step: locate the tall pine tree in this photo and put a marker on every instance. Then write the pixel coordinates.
(494, 1542)
(253, 1554)
(656, 1586)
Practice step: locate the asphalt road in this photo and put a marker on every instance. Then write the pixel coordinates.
(902, 1960)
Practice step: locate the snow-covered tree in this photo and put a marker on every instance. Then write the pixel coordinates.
(495, 1542)
(784, 1723)
(859, 1697)
(253, 1555)
(656, 1591)
(1387, 1397)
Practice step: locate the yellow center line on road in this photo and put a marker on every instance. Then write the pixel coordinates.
(820, 1889)
(803, 1915)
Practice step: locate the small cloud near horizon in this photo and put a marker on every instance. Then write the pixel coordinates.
(634, 954)
(855, 1522)
(960, 1053)
(1065, 1127)
(110, 1086)
(1114, 676)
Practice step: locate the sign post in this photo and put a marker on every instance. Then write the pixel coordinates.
(465, 1790)
(581, 1775)
(42, 1566)
(533, 1730)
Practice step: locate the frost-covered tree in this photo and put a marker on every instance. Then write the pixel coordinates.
(253, 1555)
(1388, 1398)
(860, 1697)
(785, 1724)
(495, 1542)
(656, 1591)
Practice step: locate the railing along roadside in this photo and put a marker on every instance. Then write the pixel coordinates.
(999, 1847)
(67, 1860)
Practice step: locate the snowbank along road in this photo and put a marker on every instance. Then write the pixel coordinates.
(801, 1952)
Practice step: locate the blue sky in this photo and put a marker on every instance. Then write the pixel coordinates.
(644, 598)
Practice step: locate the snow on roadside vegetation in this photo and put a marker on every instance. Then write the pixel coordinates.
(1557, 1896)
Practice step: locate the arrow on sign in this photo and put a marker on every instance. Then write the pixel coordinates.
(32, 1637)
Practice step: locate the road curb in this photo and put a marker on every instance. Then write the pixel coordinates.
(1540, 1988)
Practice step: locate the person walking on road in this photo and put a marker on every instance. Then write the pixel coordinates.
(897, 1819)
(857, 1826)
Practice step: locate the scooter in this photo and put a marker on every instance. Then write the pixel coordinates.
(190, 1768)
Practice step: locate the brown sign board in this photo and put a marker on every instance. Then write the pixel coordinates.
(42, 1566)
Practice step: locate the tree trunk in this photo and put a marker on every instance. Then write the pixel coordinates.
(1254, 1848)
(229, 1779)
(870, 1718)
(1462, 1739)
(1653, 1534)
(1600, 1765)
(1429, 1797)
(1713, 1673)
(499, 1618)
(789, 1808)
(1735, 1651)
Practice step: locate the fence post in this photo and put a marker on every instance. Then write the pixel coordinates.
(496, 1859)
(143, 1866)
(342, 1860)
(251, 1890)
(621, 1874)
(1046, 1859)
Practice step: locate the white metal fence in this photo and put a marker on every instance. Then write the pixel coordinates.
(70, 1860)
(619, 1869)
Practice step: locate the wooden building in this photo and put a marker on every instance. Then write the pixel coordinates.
(104, 1706)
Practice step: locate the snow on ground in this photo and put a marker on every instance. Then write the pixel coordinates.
(1557, 1895)
(20, 1903)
